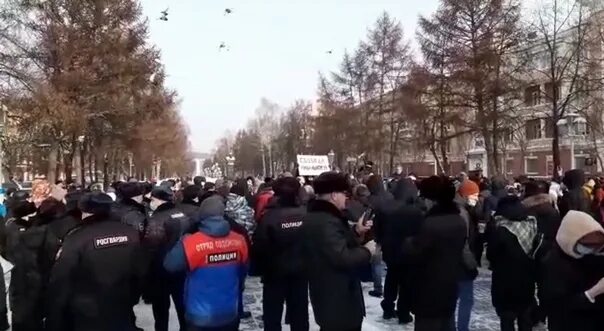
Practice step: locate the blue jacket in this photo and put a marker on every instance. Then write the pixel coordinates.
(215, 259)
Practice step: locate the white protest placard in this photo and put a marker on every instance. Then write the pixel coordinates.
(313, 165)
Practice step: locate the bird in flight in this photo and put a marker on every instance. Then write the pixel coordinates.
(228, 11)
(223, 46)
(329, 51)
(164, 15)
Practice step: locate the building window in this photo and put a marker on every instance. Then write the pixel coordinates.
(533, 129)
(532, 95)
(581, 128)
(509, 166)
(549, 128)
(550, 167)
(552, 92)
(531, 166)
(580, 163)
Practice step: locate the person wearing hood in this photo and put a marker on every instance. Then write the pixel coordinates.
(130, 209)
(436, 254)
(190, 201)
(406, 218)
(277, 245)
(166, 226)
(24, 291)
(238, 209)
(511, 250)
(333, 253)
(467, 199)
(215, 261)
(94, 280)
(379, 200)
(574, 197)
(498, 191)
(263, 197)
(540, 204)
(573, 284)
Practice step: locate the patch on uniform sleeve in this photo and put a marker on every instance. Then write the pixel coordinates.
(105, 242)
(222, 257)
(177, 215)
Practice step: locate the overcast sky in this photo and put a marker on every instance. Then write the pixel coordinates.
(277, 48)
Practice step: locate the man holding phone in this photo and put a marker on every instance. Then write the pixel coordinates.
(333, 253)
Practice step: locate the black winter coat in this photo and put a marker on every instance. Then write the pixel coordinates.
(565, 281)
(166, 226)
(548, 218)
(514, 270)
(190, 209)
(436, 257)
(333, 256)
(96, 278)
(24, 247)
(278, 241)
(574, 197)
(405, 219)
(132, 214)
(380, 200)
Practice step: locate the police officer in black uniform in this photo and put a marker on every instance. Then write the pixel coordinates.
(166, 225)
(277, 246)
(93, 282)
(130, 209)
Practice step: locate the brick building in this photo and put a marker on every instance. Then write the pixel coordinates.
(528, 148)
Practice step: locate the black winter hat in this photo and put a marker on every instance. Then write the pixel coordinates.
(72, 199)
(199, 180)
(240, 187)
(535, 187)
(438, 188)
(190, 192)
(163, 193)
(287, 188)
(23, 208)
(130, 190)
(95, 203)
(330, 182)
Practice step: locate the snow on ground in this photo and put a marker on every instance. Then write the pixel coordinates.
(483, 314)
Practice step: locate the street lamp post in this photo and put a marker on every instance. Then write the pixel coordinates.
(569, 123)
(230, 165)
(82, 162)
(331, 156)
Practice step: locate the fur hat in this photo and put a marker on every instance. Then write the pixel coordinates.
(23, 208)
(163, 193)
(330, 182)
(130, 190)
(438, 188)
(95, 203)
(191, 192)
(287, 188)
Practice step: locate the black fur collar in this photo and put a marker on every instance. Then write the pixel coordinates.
(326, 207)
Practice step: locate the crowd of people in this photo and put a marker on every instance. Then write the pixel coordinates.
(82, 259)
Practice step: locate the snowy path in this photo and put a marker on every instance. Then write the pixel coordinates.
(483, 314)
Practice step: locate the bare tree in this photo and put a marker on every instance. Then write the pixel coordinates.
(561, 36)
